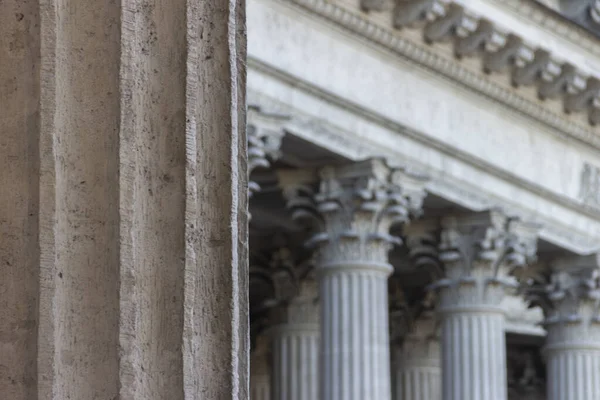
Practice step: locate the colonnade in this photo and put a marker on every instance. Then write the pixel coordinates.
(460, 352)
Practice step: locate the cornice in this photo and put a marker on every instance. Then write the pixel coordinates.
(550, 20)
(576, 96)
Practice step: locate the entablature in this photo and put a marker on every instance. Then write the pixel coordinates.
(565, 223)
(503, 58)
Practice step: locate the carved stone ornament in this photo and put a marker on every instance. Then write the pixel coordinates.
(412, 13)
(300, 309)
(265, 132)
(480, 252)
(504, 51)
(423, 249)
(422, 341)
(275, 279)
(584, 12)
(571, 300)
(355, 207)
(401, 314)
(500, 51)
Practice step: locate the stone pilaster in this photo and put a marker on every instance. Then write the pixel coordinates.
(260, 370)
(417, 366)
(123, 202)
(296, 347)
(357, 205)
(478, 251)
(572, 349)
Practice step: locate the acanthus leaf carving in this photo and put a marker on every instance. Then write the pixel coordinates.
(358, 204)
(265, 133)
(277, 274)
(301, 308)
(569, 295)
(481, 252)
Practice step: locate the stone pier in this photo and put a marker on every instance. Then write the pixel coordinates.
(123, 242)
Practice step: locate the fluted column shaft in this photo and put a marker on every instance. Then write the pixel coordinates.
(573, 372)
(473, 355)
(296, 350)
(260, 371)
(573, 342)
(355, 208)
(478, 251)
(260, 386)
(417, 366)
(355, 332)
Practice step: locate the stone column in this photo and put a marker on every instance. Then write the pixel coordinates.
(573, 323)
(417, 365)
(260, 370)
(478, 251)
(123, 211)
(357, 204)
(296, 347)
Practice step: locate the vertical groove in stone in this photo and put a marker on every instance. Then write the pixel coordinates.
(418, 370)
(295, 347)
(355, 346)
(473, 347)
(19, 197)
(46, 346)
(297, 377)
(152, 198)
(216, 267)
(142, 231)
(260, 371)
(573, 373)
(79, 240)
(260, 387)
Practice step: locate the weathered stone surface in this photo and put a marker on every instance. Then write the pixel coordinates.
(124, 242)
(19, 196)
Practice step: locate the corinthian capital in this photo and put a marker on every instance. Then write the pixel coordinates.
(357, 205)
(486, 241)
(265, 132)
(301, 309)
(480, 251)
(573, 292)
(570, 298)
